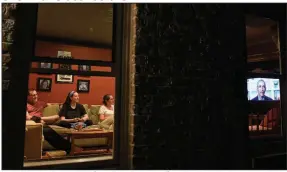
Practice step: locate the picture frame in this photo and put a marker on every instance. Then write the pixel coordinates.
(60, 78)
(83, 86)
(84, 67)
(43, 65)
(64, 78)
(65, 66)
(44, 84)
(65, 55)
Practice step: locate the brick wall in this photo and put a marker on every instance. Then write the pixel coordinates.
(190, 87)
(17, 44)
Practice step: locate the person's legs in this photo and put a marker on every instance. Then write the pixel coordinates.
(55, 139)
(64, 124)
(89, 122)
(106, 124)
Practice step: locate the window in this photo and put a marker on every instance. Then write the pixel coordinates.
(264, 82)
(77, 48)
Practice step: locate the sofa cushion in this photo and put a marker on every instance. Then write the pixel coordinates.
(94, 113)
(51, 109)
(86, 106)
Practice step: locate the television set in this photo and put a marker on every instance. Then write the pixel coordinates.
(263, 89)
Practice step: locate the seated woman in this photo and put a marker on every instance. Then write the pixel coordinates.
(106, 112)
(73, 112)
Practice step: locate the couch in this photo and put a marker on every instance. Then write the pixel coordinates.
(33, 140)
(92, 111)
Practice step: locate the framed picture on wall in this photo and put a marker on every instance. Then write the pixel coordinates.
(43, 65)
(65, 55)
(64, 78)
(84, 68)
(44, 84)
(83, 86)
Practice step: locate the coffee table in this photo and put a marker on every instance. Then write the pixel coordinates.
(73, 135)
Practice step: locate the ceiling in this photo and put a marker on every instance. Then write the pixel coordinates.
(93, 23)
(258, 29)
(261, 35)
(78, 22)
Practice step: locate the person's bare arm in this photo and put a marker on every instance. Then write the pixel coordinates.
(102, 113)
(85, 118)
(28, 116)
(69, 120)
(101, 117)
(50, 118)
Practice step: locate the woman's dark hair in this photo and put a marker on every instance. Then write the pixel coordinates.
(68, 98)
(106, 98)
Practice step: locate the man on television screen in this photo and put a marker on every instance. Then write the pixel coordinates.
(261, 88)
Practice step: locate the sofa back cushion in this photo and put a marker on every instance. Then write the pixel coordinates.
(86, 106)
(51, 109)
(94, 113)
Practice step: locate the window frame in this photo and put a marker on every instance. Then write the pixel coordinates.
(281, 21)
(119, 66)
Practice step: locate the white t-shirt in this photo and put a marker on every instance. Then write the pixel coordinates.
(105, 111)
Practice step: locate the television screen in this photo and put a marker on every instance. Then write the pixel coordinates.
(263, 89)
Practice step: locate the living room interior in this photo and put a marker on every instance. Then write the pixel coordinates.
(263, 56)
(77, 32)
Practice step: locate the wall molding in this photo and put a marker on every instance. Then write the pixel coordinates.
(71, 72)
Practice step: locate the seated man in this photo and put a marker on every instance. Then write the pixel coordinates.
(35, 109)
(35, 112)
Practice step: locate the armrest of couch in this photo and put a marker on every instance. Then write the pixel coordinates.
(33, 140)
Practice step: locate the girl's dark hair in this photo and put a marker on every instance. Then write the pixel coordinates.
(106, 98)
(68, 98)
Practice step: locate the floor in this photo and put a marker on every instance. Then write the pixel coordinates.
(62, 154)
(35, 164)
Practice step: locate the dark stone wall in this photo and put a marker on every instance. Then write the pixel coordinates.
(18, 27)
(191, 104)
(8, 36)
(8, 26)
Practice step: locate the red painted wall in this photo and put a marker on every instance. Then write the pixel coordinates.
(99, 86)
(43, 48)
